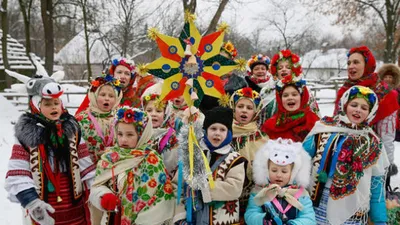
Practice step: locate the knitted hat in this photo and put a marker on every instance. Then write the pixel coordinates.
(282, 152)
(358, 92)
(291, 58)
(228, 50)
(258, 59)
(219, 114)
(370, 63)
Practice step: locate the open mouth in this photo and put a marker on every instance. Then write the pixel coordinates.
(177, 102)
(124, 146)
(356, 116)
(154, 121)
(352, 73)
(284, 74)
(216, 139)
(243, 117)
(106, 105)
(54, 113)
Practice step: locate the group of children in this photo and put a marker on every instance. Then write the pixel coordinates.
(269, 157)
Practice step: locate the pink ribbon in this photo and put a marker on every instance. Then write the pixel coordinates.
(289, 206)
(100, 132)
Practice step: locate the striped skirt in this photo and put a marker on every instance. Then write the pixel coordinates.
(320, 213)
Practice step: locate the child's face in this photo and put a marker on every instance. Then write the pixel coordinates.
(244, 111)
(388, 79)
(279, 175)
(357, 110)
(291, 99)
(216, 133)
(123, 74)
(179, 101)
(106, 98)
(284, 69)
(260, 70)
(127, 136)
(51, 108)
(156, 114)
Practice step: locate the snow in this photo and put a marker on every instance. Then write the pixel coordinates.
(10, 213)
(74, 52)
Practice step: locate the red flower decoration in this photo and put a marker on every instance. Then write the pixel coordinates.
(295, 59)
(345, 155)
(152, 183)
(151, 200)
(129, 192)
(287, 79)
(286, 53)
(297, 70)
(125, 221)
(168, 187)
(357, 165)
(343, 169)
(128, 116)
(114, 157)
(104, 164)
(152, 159)
(247, 92)
(140, 205)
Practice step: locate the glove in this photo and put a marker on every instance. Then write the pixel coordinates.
(109, 201)
(38, 210)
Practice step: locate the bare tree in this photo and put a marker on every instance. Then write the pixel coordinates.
(47, 18)
(189, 5)
(4, 27)
(282, 16)
(25, 8)
(84, 6)
(358, 11)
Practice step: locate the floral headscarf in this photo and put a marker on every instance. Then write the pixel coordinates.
(95, 89)
(293, 59)
(358, 92)
(136, 117)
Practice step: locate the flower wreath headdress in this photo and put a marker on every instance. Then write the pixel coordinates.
(133, 116)
(230, 49)
(293, 59)
(258, 59)
(249, 93)
(291, 80)
(158, 103)
(105, 79)
(124, 62)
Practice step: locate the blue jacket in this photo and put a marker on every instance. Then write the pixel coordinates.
(255, 215)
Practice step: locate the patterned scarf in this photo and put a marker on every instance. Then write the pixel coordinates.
(294, 125)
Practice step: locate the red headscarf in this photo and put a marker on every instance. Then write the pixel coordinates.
(294, 125)
(387, 98)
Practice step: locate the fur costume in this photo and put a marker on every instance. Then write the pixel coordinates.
(390, 69)
(136, 176)
(98, 126)
(294, 125)
(349, 165)
(50, 159)
(266, 197)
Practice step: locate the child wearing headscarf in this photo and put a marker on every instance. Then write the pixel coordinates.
(97, 121)
(131, 185)
(348, 163)
(294, 118)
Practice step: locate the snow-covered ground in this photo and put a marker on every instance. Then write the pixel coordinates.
(11, 213)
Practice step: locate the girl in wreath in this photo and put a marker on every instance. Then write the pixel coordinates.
(349, 163)
(131, 184)
(164, 139)
(284, 63)
(258, 75)
(219, 205)
(247, 138)
(97, 121)
(281, 174)
(50, 171)
(294, 118)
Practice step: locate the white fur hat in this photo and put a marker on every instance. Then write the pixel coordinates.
(282, 152)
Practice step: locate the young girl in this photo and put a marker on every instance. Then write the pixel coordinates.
(281, 172)
(97, 121)
(164, 139)
(247, 138)
(348, 163)
(131, 184)
(50, 170)
(294, 118)
(219, 205)
(283, 64)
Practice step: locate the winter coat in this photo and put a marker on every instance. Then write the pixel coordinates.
(27, 167)
(255, 215)
(393, 70)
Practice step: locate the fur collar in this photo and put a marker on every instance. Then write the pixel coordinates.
(29, 129)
